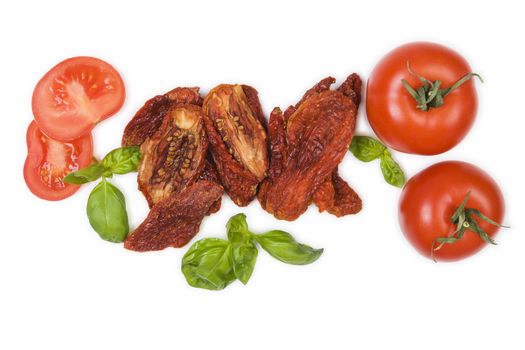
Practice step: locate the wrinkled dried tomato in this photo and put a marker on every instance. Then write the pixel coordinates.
(209, 173)
(336, 197)
(149, 118)
(174, 156)
(236, 129)
(174, 221)
(307, 143)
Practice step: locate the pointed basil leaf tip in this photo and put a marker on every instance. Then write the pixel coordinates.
(366, 149)
(392, 172)
(122, 160)
(208, 264)
(463, 218)
(106, 211)
(282, 246)
(244, 258)
(82, 176)
(237, 228)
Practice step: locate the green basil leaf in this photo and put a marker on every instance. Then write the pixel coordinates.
(208, 264)
(122, 160)
(244, 258)
(82, 176)
(282, 246)
(106, 210)
(366, 148)
(237, 229)
(392, 171)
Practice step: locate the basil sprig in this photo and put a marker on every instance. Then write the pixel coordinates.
(367, 149)
(214, 263)
(106, 206)
(121, 160)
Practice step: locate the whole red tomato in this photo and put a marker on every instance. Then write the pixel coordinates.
(435, 126)
(430, 199)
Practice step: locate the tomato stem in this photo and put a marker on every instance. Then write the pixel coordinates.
(430, 95)
(464, 219)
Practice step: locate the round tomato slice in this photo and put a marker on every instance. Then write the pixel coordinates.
(395, 93)
(429, 203)
(75, 95)
(49, 161)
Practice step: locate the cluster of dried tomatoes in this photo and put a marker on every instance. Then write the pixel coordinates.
(193, 149)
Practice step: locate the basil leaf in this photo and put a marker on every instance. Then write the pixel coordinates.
(366, 148)
(208, 264)
(106, 210)
(82, 176)
(122, 160)
(237, 229)
(282, 246)
(244, 258)
(392, 171)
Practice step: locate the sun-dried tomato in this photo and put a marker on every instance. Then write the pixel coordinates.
(336, 197)
(174, 221)
(209, 173)
(307, 143)
(236, 129)
(174, 156)
(149, 118)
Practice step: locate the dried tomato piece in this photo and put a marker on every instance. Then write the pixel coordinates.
(336, 197)
(236, 129)
(209, 173)
(149, 118)
(308, 142)
(174, 221)
(174, 156)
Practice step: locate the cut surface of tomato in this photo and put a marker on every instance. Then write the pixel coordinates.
(75, 95)
(49, 161)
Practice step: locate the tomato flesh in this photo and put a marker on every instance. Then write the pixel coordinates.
(75, 95)
(49, 161)
(430, 198)
(393, 113)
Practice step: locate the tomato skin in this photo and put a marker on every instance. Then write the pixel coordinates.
(392, 111)
(75, 95)
(429, 199)
(38, 146)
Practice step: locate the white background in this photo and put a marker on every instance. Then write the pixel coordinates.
(61, 287)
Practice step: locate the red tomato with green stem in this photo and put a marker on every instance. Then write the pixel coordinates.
(49, 161)
(75, 95)
(451, 210)
(420, 98)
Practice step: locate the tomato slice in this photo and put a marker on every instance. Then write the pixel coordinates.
(75, 95)
(49, 161)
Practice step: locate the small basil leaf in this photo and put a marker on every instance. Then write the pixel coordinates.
(366, 148)
(237, 229)
(244, 258)
(208, 264)
(282, 246)
(122, 160)
(82, 176)
(106, 210)
(392, 171)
